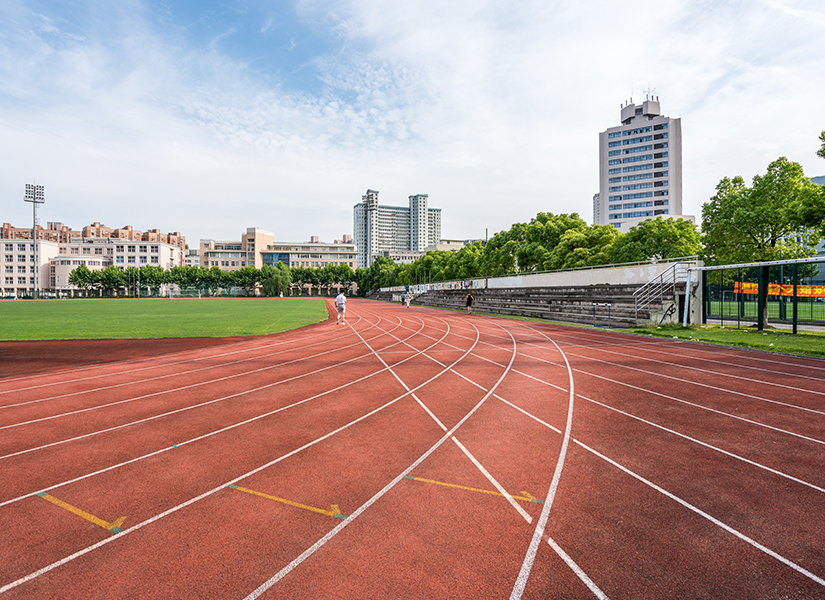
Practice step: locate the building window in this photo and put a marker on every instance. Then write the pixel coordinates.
(21, 247)
(155, 260)
(143, 260)
(9, 257)
(154, 248)
(21, 280)
(636, 177)
(130, 249)
(638, 186)
(614, 180)
(21, 269)
(615, 161)
(87, 251)
(615, 134)
(616, 188)
(119, 259)
(9, 269)
(9, 280)
(98, 250)
(130, 259)
(614, 144)
(9, 247)
(119, 248)
(21, 258)
(143, 248)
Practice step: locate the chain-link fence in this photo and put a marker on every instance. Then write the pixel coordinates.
(795, 298)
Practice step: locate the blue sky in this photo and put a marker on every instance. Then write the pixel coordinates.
(211, 117)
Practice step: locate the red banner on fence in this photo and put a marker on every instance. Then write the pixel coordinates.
(775, 289)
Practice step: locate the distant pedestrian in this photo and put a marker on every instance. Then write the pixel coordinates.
(407, 299)
(341, 302)
(468, 302)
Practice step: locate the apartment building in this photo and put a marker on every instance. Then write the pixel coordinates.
(382, 230)
(640, 168)
(61, 249)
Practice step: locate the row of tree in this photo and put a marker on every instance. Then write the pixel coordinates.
(780, 216)
(271, 281)
(548, 242)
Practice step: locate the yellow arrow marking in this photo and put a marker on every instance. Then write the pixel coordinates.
(526, 497)
(334, 510)
(114, 526)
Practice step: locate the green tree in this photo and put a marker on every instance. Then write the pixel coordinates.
(577, 248)
(821, 152)
(660, 238)
(764, 222)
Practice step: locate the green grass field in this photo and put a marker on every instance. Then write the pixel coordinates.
(126, 318)
(771, 340)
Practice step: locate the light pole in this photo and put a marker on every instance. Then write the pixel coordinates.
(36, 195)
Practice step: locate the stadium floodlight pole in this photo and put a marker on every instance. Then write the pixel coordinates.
(36, 195)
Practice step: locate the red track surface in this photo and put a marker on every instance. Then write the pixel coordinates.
(312, 464)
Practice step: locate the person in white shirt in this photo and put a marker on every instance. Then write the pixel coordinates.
(341, 301)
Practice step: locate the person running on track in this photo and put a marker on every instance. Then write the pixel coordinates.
(468, 302)
(407, 299)
(341, 302)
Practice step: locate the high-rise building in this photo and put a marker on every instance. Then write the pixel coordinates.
(640, 168)
(380, 229)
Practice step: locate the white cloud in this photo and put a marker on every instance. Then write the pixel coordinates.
(492, 108)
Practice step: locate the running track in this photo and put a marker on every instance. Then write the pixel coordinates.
(417, 453)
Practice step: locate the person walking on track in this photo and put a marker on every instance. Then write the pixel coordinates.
(468, 302)
(341, 302)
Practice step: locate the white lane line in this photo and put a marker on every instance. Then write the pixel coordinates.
(694, 509)
(201, 437)
(688, 403)
(320, 543)
(159, 377)
(213, 491)
(706, 371)
(466, 452)
(710, 360)
(162, 361)
(577, 570)
(172, 390)
(674, 432)
(530, 557)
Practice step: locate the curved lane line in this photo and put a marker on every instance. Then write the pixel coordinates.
(338, 528)
(178, 389)
(155, 359)
(530, 557)
(201, 437)
(213, 491)
(689, 506)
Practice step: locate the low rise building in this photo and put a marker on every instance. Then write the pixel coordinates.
(99, 253)
(314, 253)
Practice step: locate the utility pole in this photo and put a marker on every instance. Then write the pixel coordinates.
(36, 195)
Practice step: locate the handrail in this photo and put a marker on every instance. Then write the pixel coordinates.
(661, 285)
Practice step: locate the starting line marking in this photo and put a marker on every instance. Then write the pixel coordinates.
(114, 526)
(525, 496)
(334, 510)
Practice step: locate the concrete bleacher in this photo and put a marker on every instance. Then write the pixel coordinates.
(586, 305)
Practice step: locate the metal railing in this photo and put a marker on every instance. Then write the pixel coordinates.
(664, 285)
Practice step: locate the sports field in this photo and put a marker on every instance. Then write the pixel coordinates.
(417, 453)
(129, 318)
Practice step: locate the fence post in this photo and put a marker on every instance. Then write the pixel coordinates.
(794, 298)
(705, 297)
(761, 298)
